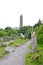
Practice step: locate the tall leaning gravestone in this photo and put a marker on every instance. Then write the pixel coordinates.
(34, 42)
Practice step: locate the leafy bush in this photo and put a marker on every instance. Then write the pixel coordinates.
(39, 33)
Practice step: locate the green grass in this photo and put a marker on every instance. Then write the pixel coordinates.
(18, 41)
(2, 52)
(40, 46)
(30, 46)
(30, 61)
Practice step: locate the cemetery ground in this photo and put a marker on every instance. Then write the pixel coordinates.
(18, 56)
(35, 58)
(13, 44)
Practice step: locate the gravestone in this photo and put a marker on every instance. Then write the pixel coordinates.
(34, 42)
(22, 35)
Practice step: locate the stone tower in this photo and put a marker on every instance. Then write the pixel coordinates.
(21, 21)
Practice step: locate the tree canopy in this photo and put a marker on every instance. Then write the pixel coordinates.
(38, 24)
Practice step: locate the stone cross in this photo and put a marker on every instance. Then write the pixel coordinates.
(34, 42)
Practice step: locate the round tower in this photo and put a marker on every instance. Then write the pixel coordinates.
(21, 21)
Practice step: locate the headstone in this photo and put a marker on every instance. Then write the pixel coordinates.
(34, 42)
(22, 35)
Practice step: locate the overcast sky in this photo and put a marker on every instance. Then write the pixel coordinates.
(10, 11)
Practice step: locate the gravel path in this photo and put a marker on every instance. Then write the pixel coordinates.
(17, 57)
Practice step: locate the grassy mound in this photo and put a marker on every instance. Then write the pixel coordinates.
(3, 52)
(18, 42)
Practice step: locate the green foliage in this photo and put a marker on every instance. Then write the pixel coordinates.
(38, 24)
(23, 30)
(36, 58)
(8, 31)
(12, 32)
(3, 33)
(28, 34)
(8, 28)
(39, 33)
(26, 30)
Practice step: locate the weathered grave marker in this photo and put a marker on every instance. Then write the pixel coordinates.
(34, 42)
(22, 35)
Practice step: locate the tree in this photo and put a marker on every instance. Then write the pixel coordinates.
(26, 30)
(8, 28)
(3, 33)
(38, 24)
(39, 32)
